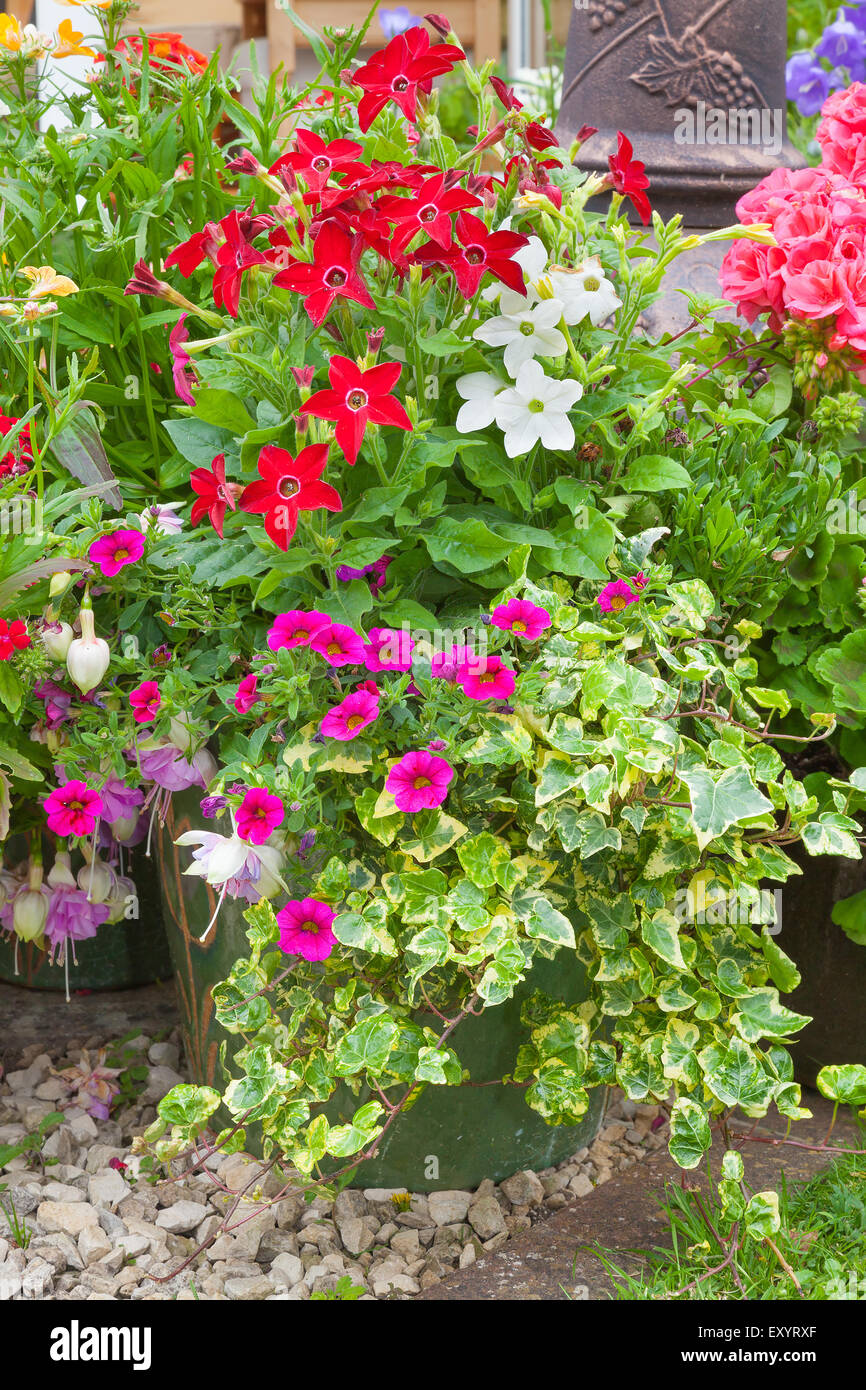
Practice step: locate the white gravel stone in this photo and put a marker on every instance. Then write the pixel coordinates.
(93, 1244)
(448, 1207)
(523, 1189)
(107, 1188)
(180, 1218)
(70, 1218)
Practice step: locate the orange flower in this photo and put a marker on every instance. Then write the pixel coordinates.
(10, 33)
(45, 280)
(69, 42)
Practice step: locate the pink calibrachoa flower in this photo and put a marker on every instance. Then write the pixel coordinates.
(115, 550)
(296, 629)
(488, 679)
(73, 809)
(339, 645)
(445, 666)
(521, 617)
(346, 720)
(305, 928)
(145, 701)
(436, 745)
(616, 596)
(258, 815)
(247, 694)
(388, 650)
(419, 781)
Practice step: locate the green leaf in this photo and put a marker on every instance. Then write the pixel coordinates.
(11, 689)
(783, 971)
(661, 934)
(468, 546)
(761, 1015)
(655, 473)
(366, 1046)
(846, 1084)
(848, 913)
(721, 800)
(222, 408)
(434, 833)
(762, 1215)
(690, 1133)
(189, 1105)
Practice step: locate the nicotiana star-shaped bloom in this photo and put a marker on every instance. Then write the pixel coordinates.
(535, 409)
(584, 290)
(479, 390)
(532, 260)
(530, 332)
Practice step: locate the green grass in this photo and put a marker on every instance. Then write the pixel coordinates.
(822, 1241)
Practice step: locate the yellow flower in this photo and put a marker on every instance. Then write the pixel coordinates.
(69, 42)
(10, 32)
(45, 280)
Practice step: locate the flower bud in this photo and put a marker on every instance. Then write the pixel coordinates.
(96, 880)
(61, 875)
(56, 639)
(59, 583)
(125, 826)
(122, 890)
(88, 656)
(29, 913)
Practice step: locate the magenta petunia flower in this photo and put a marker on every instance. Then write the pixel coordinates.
(296, 629)
(305, 928)
(521, 617)
(419, 781)
(247, 694)
(184, 376)
(115, 550)
(616, 596)
(445, 665)
(73, 809)
(346, 720)
(487, 679)
(258, 815)
(339, 645)
(388, 650)
(145, 701)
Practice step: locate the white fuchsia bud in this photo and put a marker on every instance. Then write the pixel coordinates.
(125, 826)
(57, 638)
(96, 879)
(30, 909)
(61, 875)
(120, 896)
(88, 656)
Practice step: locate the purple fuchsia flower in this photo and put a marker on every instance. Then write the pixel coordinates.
(236, 868)
(145, 701)
(296, 629)
(521, 617)
(388, 649)
(339, 644)
(258, 815)
(93, 1085)
(807, 83)
(164, 764)
(616, 596)
(246, 694)
(119, 800)
(183, 376)
(490, 679)
(115, 550)
(73, 809)
(305, 928)
(211, 806)
(71, 915)
(346, 720)
(57, 702)
(419, 781)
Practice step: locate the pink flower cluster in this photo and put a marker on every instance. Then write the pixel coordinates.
(816, 273)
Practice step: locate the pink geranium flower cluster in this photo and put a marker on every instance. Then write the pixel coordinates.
(813, 281)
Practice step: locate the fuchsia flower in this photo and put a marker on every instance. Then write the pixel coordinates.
(339, 645)
(296, 629)
(73, 809)
(616, 596)
(346, 720)
(419, 781)
(115, 550)
(305, 928)
(521, 617)
(258, 815)
(145, 701)
(487, 679)
(388, 650)
(247, 694)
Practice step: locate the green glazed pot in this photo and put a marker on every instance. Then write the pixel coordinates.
(122, 956)
(452, 1137)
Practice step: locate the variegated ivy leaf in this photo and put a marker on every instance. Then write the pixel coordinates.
(366, 1046)
(639, 1070)
(661, 934)
(345, 1140)
(783, 971)
(484, 857)
(382, 828)
(693, 603)
(732, 1166)
(613, 684)
(541, 919)
(846, 1084)
(832, 833)
(434, 832)
(189, 1105)
(735, 1076)
(425, 898)
(438, 1066)
(760, 1015)
(690, 1132)
(678, 1053)
(762, 1215)
(361, 932)
(557, 1096)
(558, 775)
(731, 798)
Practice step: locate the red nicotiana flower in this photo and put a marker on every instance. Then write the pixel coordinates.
(316, 162)
(429, 211)
(287, 487)
(183, 375)
(478, 252)
(13, 638)
(189, 255)
(20, 455)
(628, 177)
(214, 494)
(405, 67)
(505, 94)
(357, 398)
(538, 137)
(234, 257)
(332, 273)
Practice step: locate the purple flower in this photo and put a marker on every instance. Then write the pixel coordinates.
(345, 573)
(57, 702)
(307, 840)
(855, 13)
(119, 800)
(183, 376)
(210, 806)
(71, 917)
(842, 43)
(397, 21)
(806, 83)
(168, 768)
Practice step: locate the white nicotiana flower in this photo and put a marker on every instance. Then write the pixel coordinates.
(532, 260)
(531, 332)
(479, 390)
(584, 290)
(536, 409)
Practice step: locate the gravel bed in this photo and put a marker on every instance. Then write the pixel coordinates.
(97, 1230)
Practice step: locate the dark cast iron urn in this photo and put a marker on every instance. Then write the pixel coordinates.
(698, 86)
